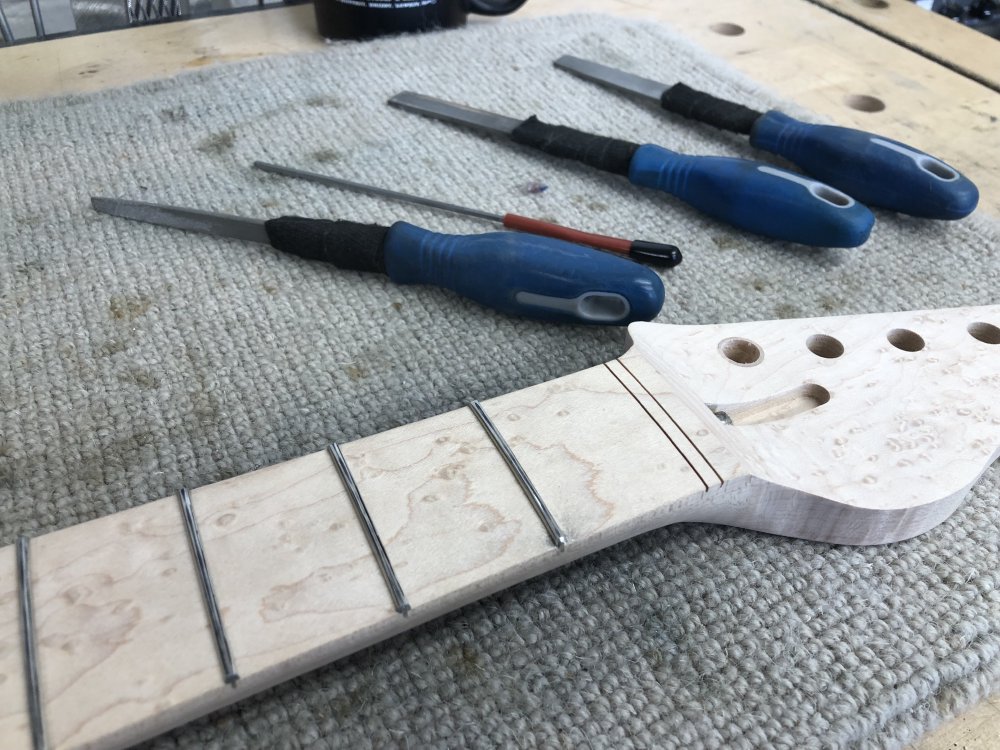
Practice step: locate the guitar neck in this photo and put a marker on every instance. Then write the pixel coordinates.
(125, 647)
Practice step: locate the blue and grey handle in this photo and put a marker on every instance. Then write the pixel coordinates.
(514, 273)
(752, 196)
(874, 170)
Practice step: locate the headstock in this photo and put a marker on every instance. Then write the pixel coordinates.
(865, 429)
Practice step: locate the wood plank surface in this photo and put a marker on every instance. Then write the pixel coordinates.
(976, 729)
(966, 51)
(821, 61)
(841, 71)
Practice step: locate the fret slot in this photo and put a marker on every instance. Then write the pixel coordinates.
(207, 590)
(450, 511)
(371, 533)
(545, 516)
(595, 455)
(705, 441)
(670, 428)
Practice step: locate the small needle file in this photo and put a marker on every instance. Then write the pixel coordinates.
(757, 197)
(518, 274)
(874, 170)
(654, 253)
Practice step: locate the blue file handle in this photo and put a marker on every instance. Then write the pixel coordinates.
(756, 197)
(874, 170)
(524, 274)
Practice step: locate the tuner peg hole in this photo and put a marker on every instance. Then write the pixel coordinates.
(904, 339)
(741, 351)
(985, 332)
(825, 346)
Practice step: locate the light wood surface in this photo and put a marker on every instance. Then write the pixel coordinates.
(924, 373)
(296, 579)
(976, 729)
(798, 49)
(966, 51)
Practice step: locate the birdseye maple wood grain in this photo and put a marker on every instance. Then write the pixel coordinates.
(125, 649)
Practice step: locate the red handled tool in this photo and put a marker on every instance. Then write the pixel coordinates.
(653, 253)
(516, 274)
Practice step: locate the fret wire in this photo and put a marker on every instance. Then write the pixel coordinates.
(381, 556)
(30, 654)
(541, 509)
(207, 590)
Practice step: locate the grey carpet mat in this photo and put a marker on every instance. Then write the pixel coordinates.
(139, 359)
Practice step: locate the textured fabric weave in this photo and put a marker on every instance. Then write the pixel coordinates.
(139, 359)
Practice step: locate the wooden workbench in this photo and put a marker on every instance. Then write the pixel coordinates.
(881, 65)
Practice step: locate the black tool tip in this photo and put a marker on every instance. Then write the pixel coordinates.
(655, 253)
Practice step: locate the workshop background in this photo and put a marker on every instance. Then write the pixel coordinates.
(140, 359)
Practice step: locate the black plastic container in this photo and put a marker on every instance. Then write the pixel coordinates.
(364, 19)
